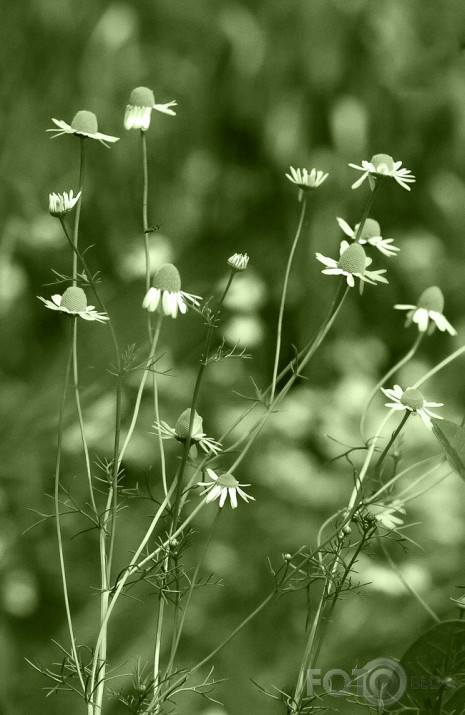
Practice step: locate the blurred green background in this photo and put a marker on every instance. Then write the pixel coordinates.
(260, 85)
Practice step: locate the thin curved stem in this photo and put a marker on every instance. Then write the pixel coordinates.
(58, 522)
(393, 438)
(284, 295)
(439, 367)
(407, 585)
(403, 361)
(147, 367)
(324, 329)
(77, 214)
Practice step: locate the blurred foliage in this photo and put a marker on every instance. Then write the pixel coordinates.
(260, 85)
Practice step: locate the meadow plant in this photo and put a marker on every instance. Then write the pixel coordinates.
(207, 473)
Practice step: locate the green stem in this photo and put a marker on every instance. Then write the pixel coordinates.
(192, 585)
(147, 367)
(403, 361)
(58, 523)
(78, 206)
(392, 440)
(81, 419)
(439, 367)
(200, 373)
(308, 658)
(367, 208)
(324, 329)
(283, 297)
(407, 585)
(145, 223)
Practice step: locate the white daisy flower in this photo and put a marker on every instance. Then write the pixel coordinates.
(61, 204)
(371, 233)
(180, 432)
(306, 180)
(413, 401)
(387, 514)
(139, 109)
(165, 295)
(238, 262)
(383, 165)
(352, 263)
(428, 314)
(84, 124)
(223, 485)
(74, 302)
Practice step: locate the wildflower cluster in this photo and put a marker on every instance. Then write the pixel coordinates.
(202, 473)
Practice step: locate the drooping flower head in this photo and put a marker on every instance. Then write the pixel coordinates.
(84, 124)
(222, 486)
(139, 109)
(165, 295)
(428, 314)
(74, 302)
(381, 166)
(238, 262)
(353, 263)
(306, 180)
(180, 432)
(387, 515)
(412, 400)
(61, 204)
(371, 234)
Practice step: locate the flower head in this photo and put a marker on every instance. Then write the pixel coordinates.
(238, 262)
(412, 400)
(306, 180)
(386, 514)
(370, 233)
(180, 432)
(428, 314)
(223, 485)
(61, 204)
(74, 302)
(165, 295)
(353, 261)
(84, 124)
(139, 109)
(382, 165)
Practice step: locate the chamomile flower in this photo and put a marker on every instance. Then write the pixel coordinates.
(222, 486)
(370, 233)
(139, 109)
(353, 263)
(428, 314)
(306, 180)
(412, 401)
(61, 204)
(383, 165)
(74, 302)
(84, 124)
(180, 432)
(165, 295)
(238, 262)
(387, 514)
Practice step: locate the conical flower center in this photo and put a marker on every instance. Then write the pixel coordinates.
(182, 425)
(167, 278)
(432, 299)
(227, 480)
(383, 163)
(353, 260)
(142, 97)
(85, 122)
(370, 229)
(74, 299)
(413, 399)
